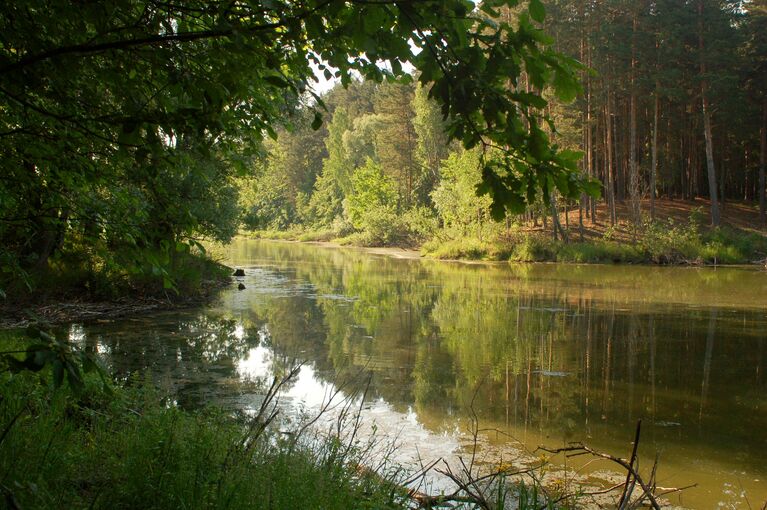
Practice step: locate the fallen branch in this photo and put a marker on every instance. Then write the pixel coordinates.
(632, 474)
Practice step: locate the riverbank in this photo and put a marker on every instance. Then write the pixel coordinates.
(679, 235)
(64, 295)
(659, 244)
(84, 447)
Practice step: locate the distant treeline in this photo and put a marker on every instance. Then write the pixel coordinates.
(674, 105)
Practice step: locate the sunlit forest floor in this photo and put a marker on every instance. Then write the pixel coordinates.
(680, 234)
(740, 215)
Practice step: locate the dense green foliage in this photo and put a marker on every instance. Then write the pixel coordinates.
(125, 124)
(358, 199)
(380, 178)
(643, 57)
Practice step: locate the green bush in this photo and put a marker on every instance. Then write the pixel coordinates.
(383, 226)
(317, 235)
(356, 239)
(533, 249)
(455, 249)
(421, 223)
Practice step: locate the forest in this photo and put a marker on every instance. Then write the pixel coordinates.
(509, 133)
(153, 340)
(672, 107)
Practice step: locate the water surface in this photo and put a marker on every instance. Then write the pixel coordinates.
(543, 354)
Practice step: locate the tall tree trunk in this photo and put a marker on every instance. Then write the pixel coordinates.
(712, 188)
(590, 202)
(634, 185)
(763, 163)
(654, 168)
(609, 158)
(555, 224)
(619, 152)
(586, 128)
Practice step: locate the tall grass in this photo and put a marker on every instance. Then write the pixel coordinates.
(660, 243)
(133, 450)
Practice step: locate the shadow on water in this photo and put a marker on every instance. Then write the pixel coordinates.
(547, 353)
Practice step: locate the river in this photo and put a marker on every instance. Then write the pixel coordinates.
(542, 354)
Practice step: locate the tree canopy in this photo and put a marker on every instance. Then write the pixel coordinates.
(123, 122)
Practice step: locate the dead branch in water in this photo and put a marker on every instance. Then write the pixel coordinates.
(478, 490)
(633, 477)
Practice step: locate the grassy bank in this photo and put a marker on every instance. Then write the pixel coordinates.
(129, 448)
(665, 243)
(310, 235)
(658, 245)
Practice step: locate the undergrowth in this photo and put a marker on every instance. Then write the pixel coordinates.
(83, 273)
(660, 243)
(131, 449)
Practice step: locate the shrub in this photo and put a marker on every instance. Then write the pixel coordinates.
(317, 235)
(356, 239)
(421, 223)
(467, 248)
(533, 249)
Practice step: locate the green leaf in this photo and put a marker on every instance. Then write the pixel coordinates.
(74, 377)
(88, 364)
(58, 373)
(592, 187)
(317, 122)
(277, 81)
(537, 10)
(565, 85)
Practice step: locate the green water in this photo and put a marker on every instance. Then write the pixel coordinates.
(546, 353)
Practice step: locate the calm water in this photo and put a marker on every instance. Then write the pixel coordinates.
(547, 353)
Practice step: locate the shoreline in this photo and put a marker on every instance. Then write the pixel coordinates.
(68, 309)
(389, 251)
(416, 254)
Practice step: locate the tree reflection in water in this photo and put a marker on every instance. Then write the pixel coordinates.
(547, 353)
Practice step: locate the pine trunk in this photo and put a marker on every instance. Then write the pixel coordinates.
(609, 160)
(654, 168)
(634, 191)
(712, 188)
(763, 163)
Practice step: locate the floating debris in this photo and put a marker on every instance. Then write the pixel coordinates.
(551, 373)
